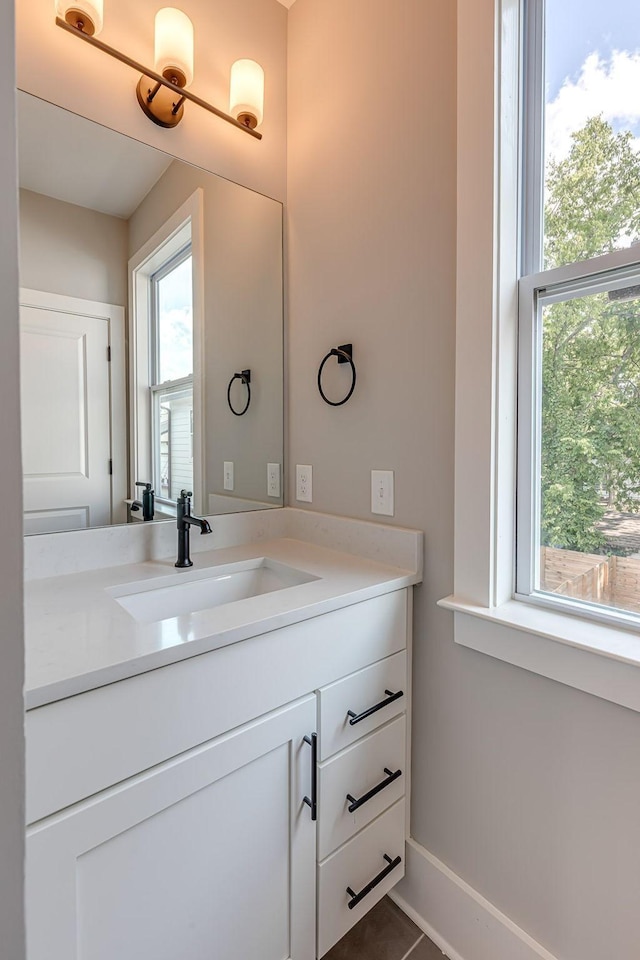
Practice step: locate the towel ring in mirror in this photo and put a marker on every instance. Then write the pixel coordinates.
(344, 354)
(245, 377)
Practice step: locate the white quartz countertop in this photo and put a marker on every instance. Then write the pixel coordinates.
(78, 637)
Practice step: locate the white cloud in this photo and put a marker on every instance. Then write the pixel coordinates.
(610, 88)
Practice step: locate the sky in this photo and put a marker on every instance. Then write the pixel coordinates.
(176, 323)
(592, 67)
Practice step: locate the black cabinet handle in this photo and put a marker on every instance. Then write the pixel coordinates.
(313, 800)
(357, 897)
(357, 717)
(391, 776)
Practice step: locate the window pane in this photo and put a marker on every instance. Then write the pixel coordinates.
(592, 128)
(589, 529)
(174, 413)
(175, 323)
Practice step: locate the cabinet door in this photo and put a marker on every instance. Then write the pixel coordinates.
(210, 856)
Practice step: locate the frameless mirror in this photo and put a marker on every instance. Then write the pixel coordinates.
(151, 330)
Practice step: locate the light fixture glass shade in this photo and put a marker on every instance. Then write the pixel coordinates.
(174, 45)
(86, 15)
(247, 92)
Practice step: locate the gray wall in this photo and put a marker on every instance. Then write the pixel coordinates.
(70, 250)
(527, 789)
(11, 640)
(243, 319)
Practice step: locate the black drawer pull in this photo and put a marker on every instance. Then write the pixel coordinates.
(313, 800)
(357, 897)
(354, 804)
(357, 717)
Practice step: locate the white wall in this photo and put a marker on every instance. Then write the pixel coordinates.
(73, 251)
(371, 195)
(527, 789)
(11, 641)
(63, 70)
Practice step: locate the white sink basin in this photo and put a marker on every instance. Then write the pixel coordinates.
(151, 600)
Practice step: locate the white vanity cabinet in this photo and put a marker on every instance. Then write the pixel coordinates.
(210, 854)
(362, 780)
(167, 810)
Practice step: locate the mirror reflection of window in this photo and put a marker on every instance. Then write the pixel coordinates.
(171, 380)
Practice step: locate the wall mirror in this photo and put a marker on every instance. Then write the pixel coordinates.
(151, 330)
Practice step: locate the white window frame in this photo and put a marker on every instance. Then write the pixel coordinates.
(538, 287)
(598, 658)
(157, 388)
(186, 225)
(613, 271)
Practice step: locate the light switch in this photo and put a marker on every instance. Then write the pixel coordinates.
(228, 474)
(382, 492)
(273, 479)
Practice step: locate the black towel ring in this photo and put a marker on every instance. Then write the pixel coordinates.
(344, 354)
(245, 376)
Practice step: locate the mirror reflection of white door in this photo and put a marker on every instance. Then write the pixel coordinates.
(66, 416)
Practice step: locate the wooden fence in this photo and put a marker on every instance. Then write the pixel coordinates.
(614, 581)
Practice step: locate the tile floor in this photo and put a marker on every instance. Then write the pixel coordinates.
(385, 933)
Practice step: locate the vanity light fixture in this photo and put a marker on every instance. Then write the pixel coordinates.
(84, 15)
(174, 60)
(162, 92)
(247, 92)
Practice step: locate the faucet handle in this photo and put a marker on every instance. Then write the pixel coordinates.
(141, 483)
(185, 494)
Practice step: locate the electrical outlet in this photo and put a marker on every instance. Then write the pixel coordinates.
(382, 492)
(273, 479)
(304, 483)
(228, 474)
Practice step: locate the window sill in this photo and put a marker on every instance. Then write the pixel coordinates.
(593, 657)
(166, 509)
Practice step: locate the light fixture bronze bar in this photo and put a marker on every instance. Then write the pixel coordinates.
(186, 94)
(177, 105)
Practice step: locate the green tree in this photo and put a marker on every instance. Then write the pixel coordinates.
(591, 345)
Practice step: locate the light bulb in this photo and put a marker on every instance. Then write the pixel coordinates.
(247, 92)
(85, 15)
(174, 46)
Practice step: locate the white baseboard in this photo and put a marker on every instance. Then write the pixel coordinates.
(456, 917)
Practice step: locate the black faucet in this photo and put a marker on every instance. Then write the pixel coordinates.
(185, 520)
(147, 504)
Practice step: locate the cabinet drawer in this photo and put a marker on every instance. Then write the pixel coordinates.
(373, 772)
(355, 706)
(358, 865)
